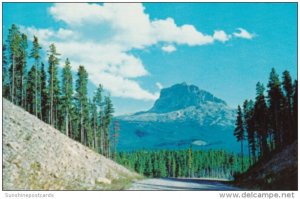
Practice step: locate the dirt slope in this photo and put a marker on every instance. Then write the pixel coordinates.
(278, 173)
(39, 157)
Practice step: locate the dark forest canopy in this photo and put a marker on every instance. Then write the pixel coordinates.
(270, 122)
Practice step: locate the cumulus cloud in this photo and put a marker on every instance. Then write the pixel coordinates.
(101, 37)
(243, 34)
(169, 48)
(221, 36)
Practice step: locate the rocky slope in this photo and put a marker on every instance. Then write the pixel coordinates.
(280, 172)
(38, 157)
(183, 116)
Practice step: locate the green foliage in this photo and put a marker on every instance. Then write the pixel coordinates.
(54, 89)
(107, 117)
(31, 95)
(35, 54)
(270, 125)
(67, 93)
(183, 163)
(54, 102)
(82, 102)
(44, 95)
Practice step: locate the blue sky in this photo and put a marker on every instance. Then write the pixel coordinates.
(137, 49)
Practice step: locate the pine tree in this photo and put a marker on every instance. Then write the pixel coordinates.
(190, 161)
(44, 95)
(108, 114)
(287, 109)
(275, 99)
(14, 40)
(115, 136)
(149, 167)
(95, 122)
(239, 131)
(53, 83)
(30, 97)
(100, 117)
(5, 75)
(81, 89)
(67, 93)
(35, 54)
(248, 107)
(261, 119)
(21, 66)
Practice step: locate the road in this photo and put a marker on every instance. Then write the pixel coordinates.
(183, 184)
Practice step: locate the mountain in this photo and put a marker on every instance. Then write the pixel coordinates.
(183, 116)
(38, 157)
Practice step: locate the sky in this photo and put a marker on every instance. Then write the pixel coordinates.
(136, 49)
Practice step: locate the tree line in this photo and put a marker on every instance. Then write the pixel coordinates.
(184, 163)
(269, 123)
(53, 99)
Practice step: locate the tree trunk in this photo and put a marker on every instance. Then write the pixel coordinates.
(22, 90)
(95, 132)
(51, 98)
(67, 122)
(81, 124)
(36, 91)
(242, 151)
(13, 79)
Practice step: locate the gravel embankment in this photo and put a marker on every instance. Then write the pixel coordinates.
(38, 157)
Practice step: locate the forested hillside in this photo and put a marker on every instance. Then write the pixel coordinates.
(54, 95)
(270, 126)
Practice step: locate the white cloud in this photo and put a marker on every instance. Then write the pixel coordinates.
(221, 36)
(169, 48)
(101, 38)
(159, 85)
(166, 30)
(243, 34)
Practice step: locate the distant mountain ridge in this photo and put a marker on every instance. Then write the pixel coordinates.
(184, 115)
(180, 96)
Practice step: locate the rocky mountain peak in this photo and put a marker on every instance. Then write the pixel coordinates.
(180, 96)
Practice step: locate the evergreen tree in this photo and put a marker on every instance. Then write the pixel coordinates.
(261, 119)
(21, 66)
(30, 90)
(95, 122)
(67, 93)
(53, 84)
(108, 114)
(5, 75)
(248, 107)
(115, 137)
(100, 116)
(81, 89)
(239, 130)
(149, 168)
(35, 54)
(287, 109)
(44, 95)
(275, 99)
(14, 40)
(190, 161)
